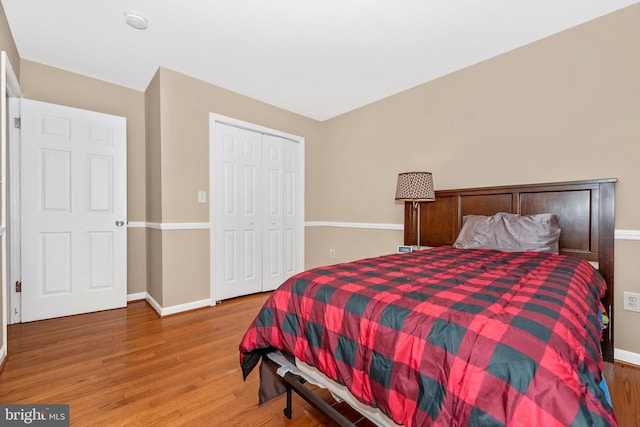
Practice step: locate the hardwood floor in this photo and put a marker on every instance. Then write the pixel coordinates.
(623, 381)
(130, 367)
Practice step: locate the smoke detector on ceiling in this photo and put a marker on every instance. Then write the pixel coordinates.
(136, 19)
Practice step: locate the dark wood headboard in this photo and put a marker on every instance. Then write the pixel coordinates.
(585, 210)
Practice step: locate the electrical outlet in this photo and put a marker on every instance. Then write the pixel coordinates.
(632, 301)
(332, 253)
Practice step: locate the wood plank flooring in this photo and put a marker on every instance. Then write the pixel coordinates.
(623, 381)
(128, 367)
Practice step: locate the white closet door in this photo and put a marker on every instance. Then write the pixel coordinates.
(281, 196)
(256, 211)
(238, 218)
(272, 247)
(291, 214)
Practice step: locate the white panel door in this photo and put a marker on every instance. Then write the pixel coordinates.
(281, 196)
(291, 215)
(238, 219)
(74, 213)
(272, 247)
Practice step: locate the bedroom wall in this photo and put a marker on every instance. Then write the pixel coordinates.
(168, 136)
(185, 104)
(7, 43)
(153, 132)
(564, 108)
(48, 84)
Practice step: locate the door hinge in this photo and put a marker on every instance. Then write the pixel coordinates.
(17, 122)
(18, 286)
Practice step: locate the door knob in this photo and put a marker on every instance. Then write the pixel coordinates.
(119, 223)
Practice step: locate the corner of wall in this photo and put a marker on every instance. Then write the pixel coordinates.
(7, 43)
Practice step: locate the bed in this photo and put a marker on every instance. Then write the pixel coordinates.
(452, 335)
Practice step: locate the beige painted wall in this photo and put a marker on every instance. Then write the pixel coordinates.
(48, 84)
(153, 131)
(185, 256)
(7, 43)
(154, 261)
(185, 104)
(348, 243)
(564, 108)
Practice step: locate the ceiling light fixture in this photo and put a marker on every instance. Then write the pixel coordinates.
(136, 19)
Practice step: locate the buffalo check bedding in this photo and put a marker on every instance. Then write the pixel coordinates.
(448, 336)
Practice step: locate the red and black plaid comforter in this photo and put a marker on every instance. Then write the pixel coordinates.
(448, 337)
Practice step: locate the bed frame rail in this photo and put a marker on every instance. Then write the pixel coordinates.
(294, 383)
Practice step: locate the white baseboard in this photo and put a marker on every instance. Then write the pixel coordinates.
(626, 356)
(136, 297)
(165, 311)
(3, 354)
(153, 303)
(185, 307)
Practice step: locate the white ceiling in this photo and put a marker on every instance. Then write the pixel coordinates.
(318, 58)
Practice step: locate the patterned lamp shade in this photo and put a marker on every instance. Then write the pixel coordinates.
(415, 186)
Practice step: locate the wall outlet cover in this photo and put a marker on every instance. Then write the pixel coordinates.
(632, 301)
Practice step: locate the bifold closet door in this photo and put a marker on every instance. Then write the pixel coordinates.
(237, 223)
(258, 218)
(272, 246)
(281, 235)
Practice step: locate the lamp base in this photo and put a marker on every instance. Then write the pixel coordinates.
(418, 205)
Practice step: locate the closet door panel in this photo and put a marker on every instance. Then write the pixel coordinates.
(272, 255)
(237, 222)
(257, 218)
(291, 217)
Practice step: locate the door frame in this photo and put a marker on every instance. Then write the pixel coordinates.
(13, 210)
(11, 94)
(218, 118)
